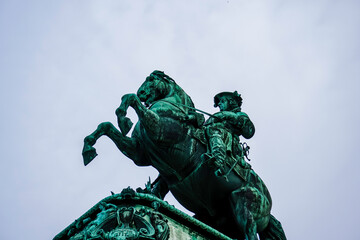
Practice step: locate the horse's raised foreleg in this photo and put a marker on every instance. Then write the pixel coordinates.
(128, 146)
(149, 119)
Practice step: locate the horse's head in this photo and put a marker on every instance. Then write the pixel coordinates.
(156, 86)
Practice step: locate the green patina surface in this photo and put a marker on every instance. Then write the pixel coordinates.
(129, 197)
(202, 162)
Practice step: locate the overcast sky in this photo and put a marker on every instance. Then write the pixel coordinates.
(64, 66)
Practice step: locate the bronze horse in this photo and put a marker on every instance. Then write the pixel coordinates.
(166, 138)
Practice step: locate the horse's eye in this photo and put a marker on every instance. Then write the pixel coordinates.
(150, 78)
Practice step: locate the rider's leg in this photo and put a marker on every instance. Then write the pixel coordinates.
(217, 149)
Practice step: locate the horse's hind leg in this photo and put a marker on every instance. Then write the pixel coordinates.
(250, 210)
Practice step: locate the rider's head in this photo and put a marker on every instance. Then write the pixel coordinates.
(228, 101)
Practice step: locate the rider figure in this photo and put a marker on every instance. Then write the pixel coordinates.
(223, 131)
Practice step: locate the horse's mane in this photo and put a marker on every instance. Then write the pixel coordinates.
(176, 91)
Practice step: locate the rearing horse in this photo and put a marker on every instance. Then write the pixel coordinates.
(168, 138)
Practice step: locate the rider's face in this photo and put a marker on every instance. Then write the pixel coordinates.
(223, 104)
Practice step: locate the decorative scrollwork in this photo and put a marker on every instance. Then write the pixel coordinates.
(124, 223)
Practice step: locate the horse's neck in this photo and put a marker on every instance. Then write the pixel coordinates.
(177, 95)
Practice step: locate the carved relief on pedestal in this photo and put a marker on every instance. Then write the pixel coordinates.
(132, 215)
(124, 223)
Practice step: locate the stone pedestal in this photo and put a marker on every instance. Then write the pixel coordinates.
(130, 215)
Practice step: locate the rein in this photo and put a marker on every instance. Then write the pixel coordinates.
(177, 105)
(174, 104)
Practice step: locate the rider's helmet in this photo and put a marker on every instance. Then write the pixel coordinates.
(234, 99)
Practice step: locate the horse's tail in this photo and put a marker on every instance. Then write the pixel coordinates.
(273, 231)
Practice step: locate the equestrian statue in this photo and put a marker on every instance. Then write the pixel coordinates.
(203, 163)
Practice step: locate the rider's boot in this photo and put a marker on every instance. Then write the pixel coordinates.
(218, 152)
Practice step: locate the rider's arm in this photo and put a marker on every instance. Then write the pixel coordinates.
(245, 125)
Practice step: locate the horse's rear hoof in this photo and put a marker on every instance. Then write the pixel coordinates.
(89, 153)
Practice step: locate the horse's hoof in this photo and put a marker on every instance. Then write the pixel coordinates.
(88, 153)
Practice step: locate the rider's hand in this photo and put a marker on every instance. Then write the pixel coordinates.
(190, 118)
(225, 115)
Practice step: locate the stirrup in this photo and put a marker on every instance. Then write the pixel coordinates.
(219, 173)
